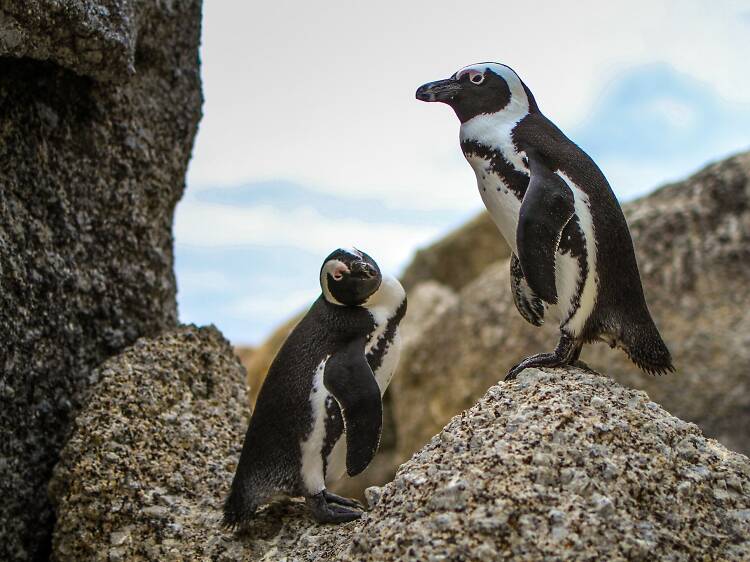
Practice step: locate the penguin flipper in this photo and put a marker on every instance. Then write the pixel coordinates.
(547, 206)
(528, 304)
(349, 378)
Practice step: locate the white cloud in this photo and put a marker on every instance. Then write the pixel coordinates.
(211, 225)
(324, 96)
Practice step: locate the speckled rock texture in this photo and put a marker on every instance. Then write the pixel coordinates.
(693, 245)
(562, 464)
(91, 172)
(94, 38)
(459, 258)
(153, 452)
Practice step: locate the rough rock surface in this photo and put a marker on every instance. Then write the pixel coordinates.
(91, 172)
(563, 464)
(460, 257)
(693, 245)
(153, 452)
(91, 37)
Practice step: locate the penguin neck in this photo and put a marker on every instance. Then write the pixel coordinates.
(495, 130)
(384, 302)
(487, 142)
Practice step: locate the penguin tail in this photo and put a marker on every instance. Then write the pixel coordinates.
(239, 508)
(645, 347)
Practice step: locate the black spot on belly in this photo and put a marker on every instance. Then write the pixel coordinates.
(516, 181)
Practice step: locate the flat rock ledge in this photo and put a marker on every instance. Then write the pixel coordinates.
(561, 464)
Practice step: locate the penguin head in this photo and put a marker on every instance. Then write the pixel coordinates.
(481, 89)
(349, 277)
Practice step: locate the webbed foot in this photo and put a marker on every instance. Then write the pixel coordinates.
(325, 512)
(566, 352)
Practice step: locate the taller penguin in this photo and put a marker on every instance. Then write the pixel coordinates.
(572, 251)
(319, 412)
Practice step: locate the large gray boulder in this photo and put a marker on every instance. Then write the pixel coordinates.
(99, 103)
(562, 464)
(152, 453)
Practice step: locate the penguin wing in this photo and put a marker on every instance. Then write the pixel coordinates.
(349, 378)
(528, 304)
(546, 208)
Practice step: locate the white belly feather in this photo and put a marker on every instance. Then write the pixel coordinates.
(504, 207)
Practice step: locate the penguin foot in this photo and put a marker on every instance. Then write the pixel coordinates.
(335, 498)
(566, 352)
(325, 512)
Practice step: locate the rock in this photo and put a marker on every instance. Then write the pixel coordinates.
(91, 172)
(93, 38)
(460, 257)
(560, 464)
(610, 471)
(170, 405)
(693, 245)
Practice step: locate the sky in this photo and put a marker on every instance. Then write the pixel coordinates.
(311, 137)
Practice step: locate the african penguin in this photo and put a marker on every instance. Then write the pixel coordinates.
(572, 253)
(319, 411)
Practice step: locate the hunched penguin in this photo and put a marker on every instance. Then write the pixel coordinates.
(319, 411)
(572, 253)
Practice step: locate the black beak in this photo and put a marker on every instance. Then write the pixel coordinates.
(363, 269)
(441, 90)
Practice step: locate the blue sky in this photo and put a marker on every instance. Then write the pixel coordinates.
(312, 139)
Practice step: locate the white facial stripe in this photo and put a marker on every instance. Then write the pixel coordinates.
(517, 91)
(495, 129)
(333, 268)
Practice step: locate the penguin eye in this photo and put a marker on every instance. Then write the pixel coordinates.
(476, 77)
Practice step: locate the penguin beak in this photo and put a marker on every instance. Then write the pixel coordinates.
(441, 90)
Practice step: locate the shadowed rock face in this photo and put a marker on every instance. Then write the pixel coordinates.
(91, 172)
(561, 463)
(692, 241)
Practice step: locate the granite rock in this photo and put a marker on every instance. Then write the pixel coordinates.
(152, 453)
(91, 172)
(561, 464)
(94, 38)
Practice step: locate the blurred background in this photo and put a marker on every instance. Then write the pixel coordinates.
(312, 139)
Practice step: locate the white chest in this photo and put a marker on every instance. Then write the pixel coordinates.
(501, 203)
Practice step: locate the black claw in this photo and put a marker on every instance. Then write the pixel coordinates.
(323, 512)
(566, 352)
(348, 502)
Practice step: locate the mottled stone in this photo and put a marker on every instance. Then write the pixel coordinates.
(174, 404)
(91, 172)
(94, 38)
(451, 501)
